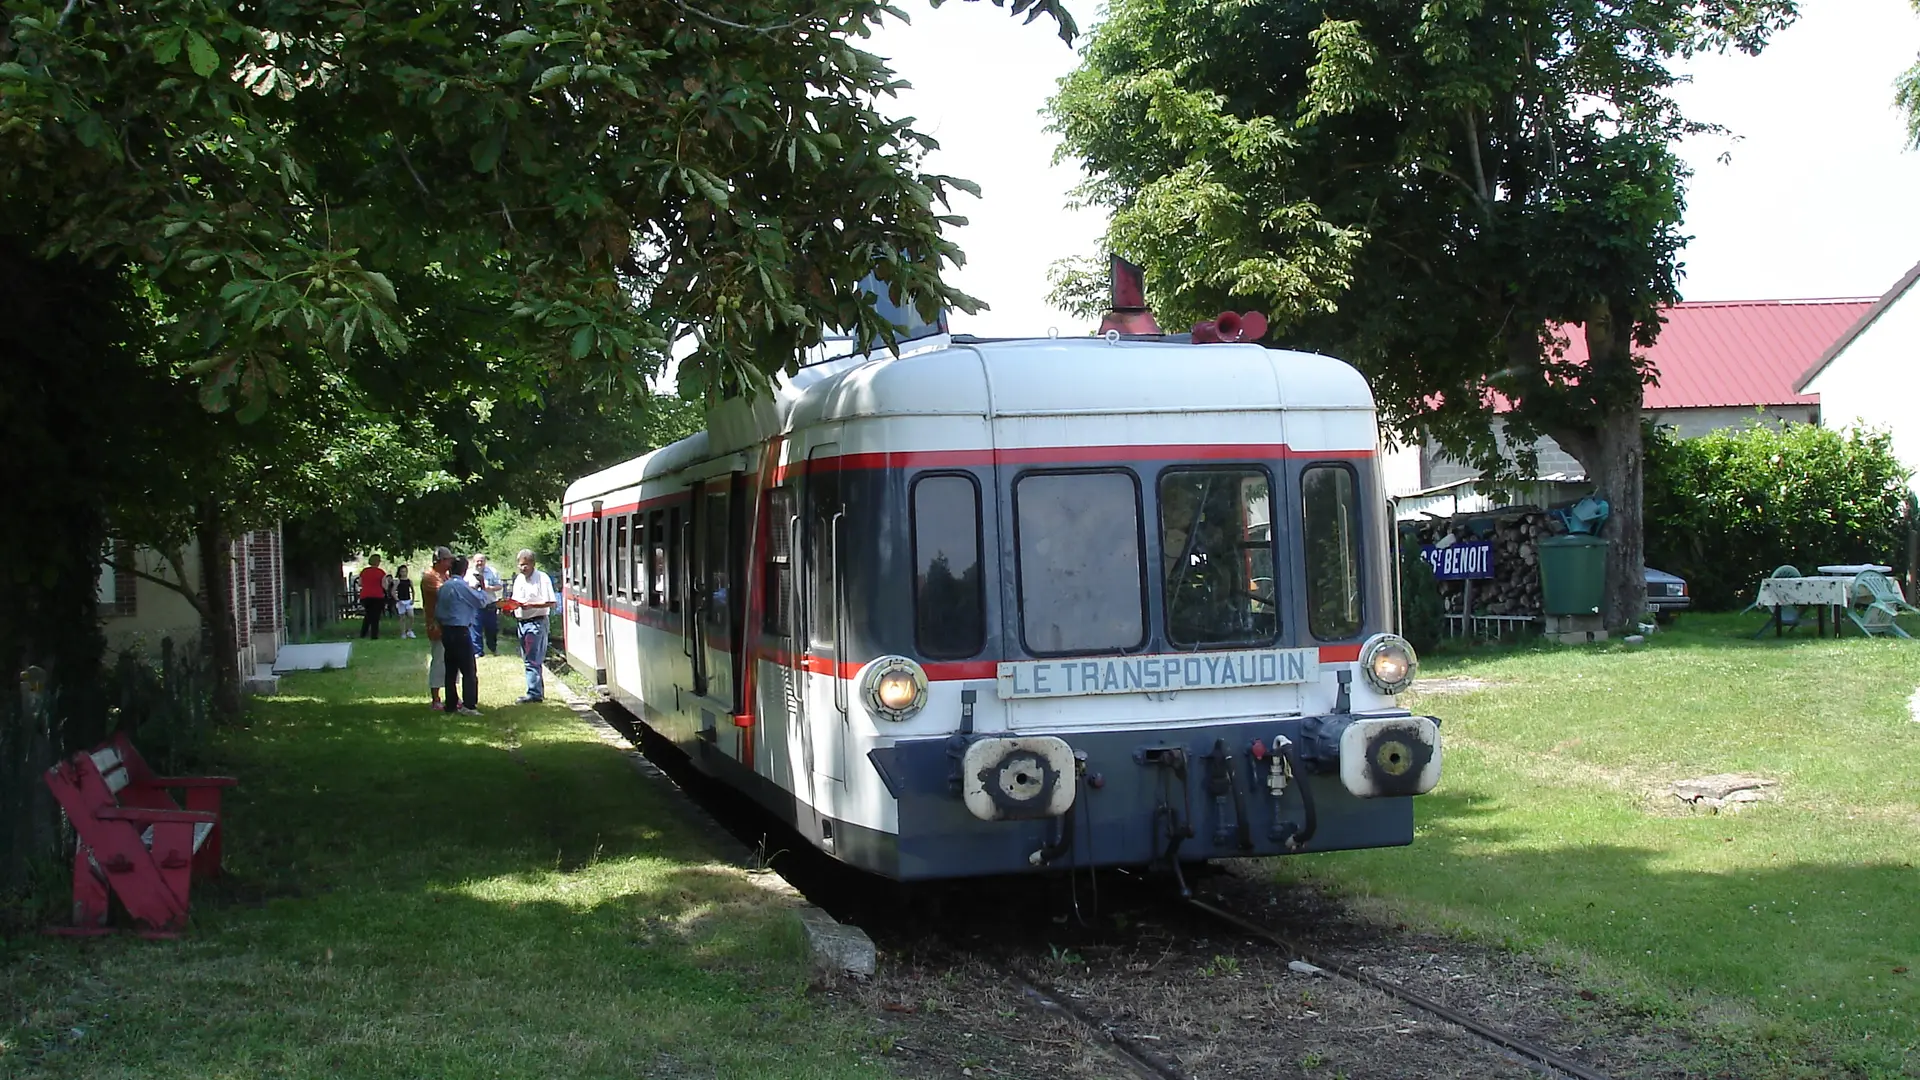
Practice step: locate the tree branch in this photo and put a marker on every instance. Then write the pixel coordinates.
(180, 587)
(1479, 172)
(731, 25)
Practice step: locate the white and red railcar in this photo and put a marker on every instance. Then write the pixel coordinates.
(1002, 605)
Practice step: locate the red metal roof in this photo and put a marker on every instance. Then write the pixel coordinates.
(1739, 353)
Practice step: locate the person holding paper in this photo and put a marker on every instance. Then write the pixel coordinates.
(531, 601)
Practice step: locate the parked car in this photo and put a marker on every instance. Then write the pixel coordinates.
(1666, 593)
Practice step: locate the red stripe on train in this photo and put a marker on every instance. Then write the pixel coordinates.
(1033, 455)
(937, 671)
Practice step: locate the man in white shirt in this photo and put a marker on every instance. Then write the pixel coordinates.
(533, 600)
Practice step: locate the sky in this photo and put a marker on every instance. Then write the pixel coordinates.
(1817, 195)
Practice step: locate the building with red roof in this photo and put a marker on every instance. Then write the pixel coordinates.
(1719, 364)
(1868, 375)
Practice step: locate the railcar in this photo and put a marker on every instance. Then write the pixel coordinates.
(974, 606)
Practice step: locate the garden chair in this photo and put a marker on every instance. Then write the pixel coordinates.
(1778, 571)
(1882, 605)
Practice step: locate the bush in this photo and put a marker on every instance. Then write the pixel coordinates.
(1423, 620)
(503, 531)
(1724, 509)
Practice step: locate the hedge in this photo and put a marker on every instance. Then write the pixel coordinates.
(1724, 509)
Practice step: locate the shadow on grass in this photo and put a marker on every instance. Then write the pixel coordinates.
(416, 894)
(331, 793)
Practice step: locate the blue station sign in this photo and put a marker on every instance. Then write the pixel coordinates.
(1465, 560)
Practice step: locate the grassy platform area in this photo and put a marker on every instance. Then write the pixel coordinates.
(1793, 927)
(414, 894)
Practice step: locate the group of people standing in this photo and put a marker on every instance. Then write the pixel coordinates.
(461, 601)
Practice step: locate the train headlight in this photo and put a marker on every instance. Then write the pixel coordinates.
(1388, 663)
(895, 688)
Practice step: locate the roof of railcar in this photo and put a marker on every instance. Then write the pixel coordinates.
(1014, 377)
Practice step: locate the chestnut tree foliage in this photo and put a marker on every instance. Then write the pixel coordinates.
(393, 261)
(1425, 190)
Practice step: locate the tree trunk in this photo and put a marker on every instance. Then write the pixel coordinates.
(1611, 451)
(1619, 476)
(216, 624)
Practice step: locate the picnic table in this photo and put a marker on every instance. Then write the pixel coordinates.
(1834, 591)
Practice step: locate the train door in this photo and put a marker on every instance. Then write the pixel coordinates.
(822, 691)
(597, 590)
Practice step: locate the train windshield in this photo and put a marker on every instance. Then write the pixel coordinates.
(1081, 582)
(1330, 532)
(1216, 544)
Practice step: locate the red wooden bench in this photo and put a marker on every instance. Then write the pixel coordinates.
(136, 842)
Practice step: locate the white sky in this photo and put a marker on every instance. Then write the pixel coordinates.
(1818, 197)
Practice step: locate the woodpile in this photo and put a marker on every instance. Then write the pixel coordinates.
(1515, 532)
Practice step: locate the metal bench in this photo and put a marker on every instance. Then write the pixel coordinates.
(135, 841)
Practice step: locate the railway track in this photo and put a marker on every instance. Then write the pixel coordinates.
(823, 882)
(1528, 1053)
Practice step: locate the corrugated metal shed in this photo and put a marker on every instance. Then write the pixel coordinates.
(1739, 353)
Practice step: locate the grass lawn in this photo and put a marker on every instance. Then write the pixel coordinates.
(1792, 929)
(413, 894)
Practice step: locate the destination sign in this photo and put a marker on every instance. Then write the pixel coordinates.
(1163, 673)
(1467, 559)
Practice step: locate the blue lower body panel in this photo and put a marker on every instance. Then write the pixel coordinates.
(1141, 797)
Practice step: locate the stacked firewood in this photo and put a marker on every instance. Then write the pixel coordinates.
(1515, 532)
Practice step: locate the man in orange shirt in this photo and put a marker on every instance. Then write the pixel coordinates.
(373, 597)
(430, 583)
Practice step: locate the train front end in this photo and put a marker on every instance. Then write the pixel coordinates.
(1150, 623)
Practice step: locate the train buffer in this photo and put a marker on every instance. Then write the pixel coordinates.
(135, 841)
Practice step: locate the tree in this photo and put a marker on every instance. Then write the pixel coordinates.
(1907, 98)
(341, 220)
(1434, 192)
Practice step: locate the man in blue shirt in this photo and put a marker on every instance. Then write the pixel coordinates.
(457, 609)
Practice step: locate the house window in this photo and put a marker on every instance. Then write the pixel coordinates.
(117, 589)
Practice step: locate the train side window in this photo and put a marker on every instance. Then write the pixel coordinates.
(1216, 552)
(823, 503)
(1330, 540)
(1082, 580)
(949, 602)
(637, 558)
(657, 559)
(676, 573)
(719, 582)
(777, 579)
(621, 547)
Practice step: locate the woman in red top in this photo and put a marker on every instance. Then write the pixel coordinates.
(373, 597)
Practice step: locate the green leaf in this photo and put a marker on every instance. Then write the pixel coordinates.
(486, 153)
(11, 70)
(520, 37)
(166, 45)
(202, 263)
(582, 343)
(557, 75)
(383, 286)
(201, 55)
